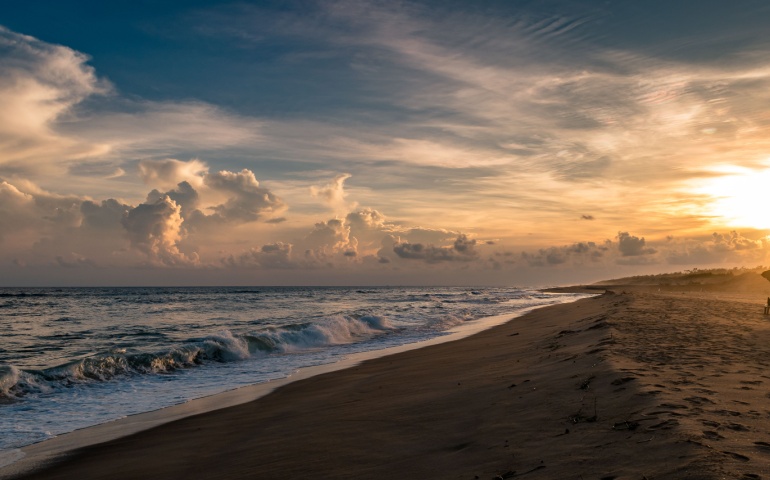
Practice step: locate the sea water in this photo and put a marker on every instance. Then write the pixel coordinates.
(76, 357)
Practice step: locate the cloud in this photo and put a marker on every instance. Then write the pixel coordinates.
(273, 255)
(366, 219)
(735, 241)
(159, 129)
(631, 246)
(463, 249)
(247, 201)
(367, 227)
(576, 254)
(169, 172)
(15, 209)
(12, 198)
(328, 239)
(233, 197)
(39, 84)
(26, 207)
(332, 193)
(74, 260)
(106, 170)
(155, 230)
(717, 249)
(48, 130)
(184, 195)
(105, 215)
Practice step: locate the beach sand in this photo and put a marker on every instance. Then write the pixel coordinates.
(640, 382)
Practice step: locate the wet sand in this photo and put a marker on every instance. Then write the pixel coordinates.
(640, 382)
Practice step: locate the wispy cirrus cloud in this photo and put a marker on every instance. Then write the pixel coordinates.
(541, 100)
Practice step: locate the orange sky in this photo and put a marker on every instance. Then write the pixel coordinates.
(379, 143)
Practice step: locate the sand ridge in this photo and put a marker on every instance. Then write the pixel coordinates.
(628, 385)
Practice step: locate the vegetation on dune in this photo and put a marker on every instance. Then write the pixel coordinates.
(696, 276)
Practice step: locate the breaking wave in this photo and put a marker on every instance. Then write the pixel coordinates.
(223, 347)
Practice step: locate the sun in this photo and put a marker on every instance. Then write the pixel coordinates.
(739, 197)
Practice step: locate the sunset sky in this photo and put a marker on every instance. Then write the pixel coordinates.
(381, 142)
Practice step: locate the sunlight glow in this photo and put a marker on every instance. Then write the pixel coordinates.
(739, 198)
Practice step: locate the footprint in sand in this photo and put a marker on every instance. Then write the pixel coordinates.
(764, 446)
(705, 391)
(673, 406)
(666, 425)
(737, 427)
(711, 435)
(650, 392)
(621, 381)
(728, 413)
(737, 456)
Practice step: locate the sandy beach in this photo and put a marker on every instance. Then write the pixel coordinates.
(639, 382)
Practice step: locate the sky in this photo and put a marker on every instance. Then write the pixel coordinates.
(341, 142)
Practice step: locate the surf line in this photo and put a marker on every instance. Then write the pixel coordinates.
(17, 461)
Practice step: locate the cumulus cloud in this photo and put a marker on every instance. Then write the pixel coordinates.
(367, 227)
(333, 193)
(580, 253)
(162, 229)
(631, 246)
(15, 207)
(328, 239)
(335, 242)
(12, 198)
(273, 255)
(184, 195)
(155, 230)
(232, 197)
(25, 206)
(169, 172)
(247, 201)
(463, 249)
(105, 215)
(718, 248)
(735, 241)
(366, 219)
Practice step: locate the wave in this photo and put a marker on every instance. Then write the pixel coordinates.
(222, 347)
(22, 294)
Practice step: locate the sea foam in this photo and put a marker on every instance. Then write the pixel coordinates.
(224, 346)
(81, 356)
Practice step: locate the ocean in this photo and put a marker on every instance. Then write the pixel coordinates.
(76, 357)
